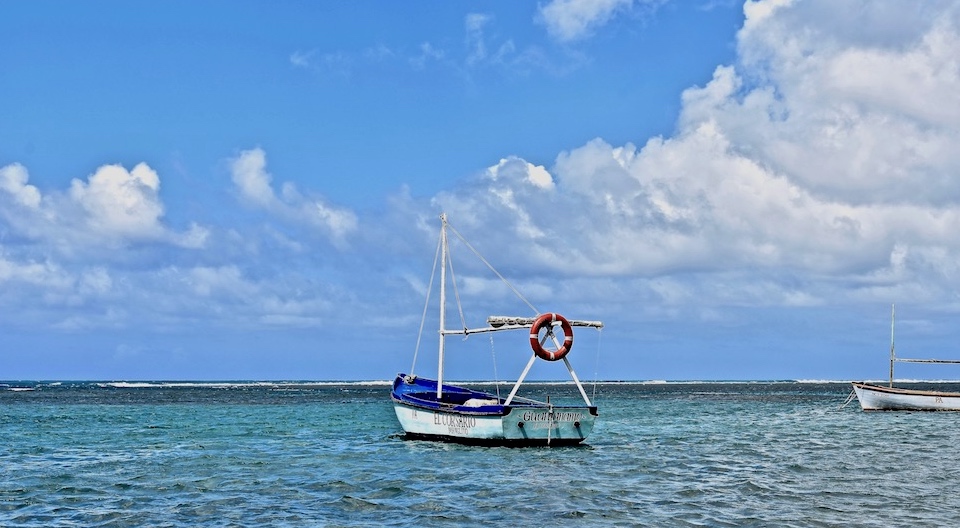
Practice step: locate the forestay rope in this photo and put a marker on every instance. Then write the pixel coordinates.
(496, 377)
(456, 293)
(426, 303)
(596, 368)
(505, 281)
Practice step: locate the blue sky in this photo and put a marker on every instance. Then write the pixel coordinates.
(250, 190)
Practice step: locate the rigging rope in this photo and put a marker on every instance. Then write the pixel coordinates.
(596, 368)
(423, 318)
(505, 281)
(496, 378)
(853, 394)
(456, 294)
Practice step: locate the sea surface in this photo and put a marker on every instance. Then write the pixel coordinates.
(332, 454)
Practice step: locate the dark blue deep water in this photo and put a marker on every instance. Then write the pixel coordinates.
(315, 454)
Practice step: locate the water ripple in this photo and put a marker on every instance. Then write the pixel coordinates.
(661, 455)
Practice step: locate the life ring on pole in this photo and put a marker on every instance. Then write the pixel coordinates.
(547, 320)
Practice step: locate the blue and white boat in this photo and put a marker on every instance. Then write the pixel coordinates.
(433, 410)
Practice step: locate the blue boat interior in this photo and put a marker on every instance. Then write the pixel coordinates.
(422, 393)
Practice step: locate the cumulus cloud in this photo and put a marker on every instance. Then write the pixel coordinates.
(121, 201)
(57, 248)
(13, 180)
(255, 187)
(514, 168)
(858, 112)
(825, 156)
(112, 206)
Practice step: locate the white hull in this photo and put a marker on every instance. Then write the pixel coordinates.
(520, 425)
(878, 398)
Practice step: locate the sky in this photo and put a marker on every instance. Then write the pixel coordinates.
(240, 190)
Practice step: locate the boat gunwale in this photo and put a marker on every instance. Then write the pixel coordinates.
(416, 385)
(899, 390)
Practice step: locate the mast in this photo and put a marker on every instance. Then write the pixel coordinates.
(893, 356)
(443, 298)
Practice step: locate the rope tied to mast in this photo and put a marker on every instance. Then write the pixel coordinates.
(490, 266)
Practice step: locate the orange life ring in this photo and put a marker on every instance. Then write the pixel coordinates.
(546, 320)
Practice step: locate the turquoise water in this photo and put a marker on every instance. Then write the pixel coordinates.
(302, 454)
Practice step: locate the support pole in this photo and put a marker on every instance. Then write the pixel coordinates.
(516, 387)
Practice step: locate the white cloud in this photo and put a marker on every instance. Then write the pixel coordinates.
(301, 59)
(514, 168)
(95, 281)
(427, 54)
(859, 112)
(13, 180)
(45, 274)
(821, 165)
(121, 201)
(228, 281)
(112, 207)
(475, 42)
(249, 173)
(573, 19)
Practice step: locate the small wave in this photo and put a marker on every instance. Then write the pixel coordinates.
(820, 381)
(234, 384)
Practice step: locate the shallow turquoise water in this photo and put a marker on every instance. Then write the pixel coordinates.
(715, 454)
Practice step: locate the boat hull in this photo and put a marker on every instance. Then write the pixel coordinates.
(456, 420)
(878, 398)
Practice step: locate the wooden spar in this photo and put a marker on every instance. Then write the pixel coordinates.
(500, 323)
(947, 361)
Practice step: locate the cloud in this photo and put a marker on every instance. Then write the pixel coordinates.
(58, 250)
(484, 47)
(112, 207)
(475, 42)
(427, 53)
(13, 180)
(819, 167)
(253, 182)
(120, 201)
(302, 59)
(514, 168)
(59, 255)
(568, 20)
(859, 112)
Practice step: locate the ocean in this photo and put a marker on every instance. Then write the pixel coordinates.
(332, 454)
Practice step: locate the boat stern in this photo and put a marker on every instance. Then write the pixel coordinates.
(538, 425)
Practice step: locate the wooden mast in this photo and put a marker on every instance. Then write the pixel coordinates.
(443, 298)
(893, 356)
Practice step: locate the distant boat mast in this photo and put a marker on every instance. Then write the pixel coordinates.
(893, 356)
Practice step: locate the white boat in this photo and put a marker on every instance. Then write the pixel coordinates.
(433, 410)
(873, 397)
(880, 398)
